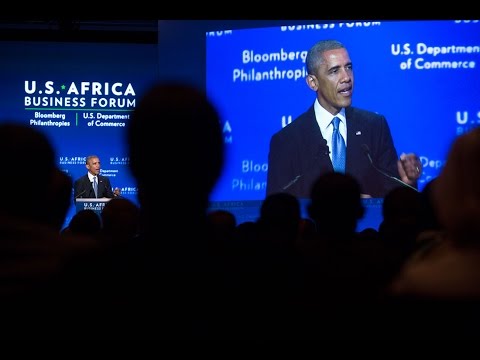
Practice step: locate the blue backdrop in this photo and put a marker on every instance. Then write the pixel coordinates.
(422, 75)
(81, 95)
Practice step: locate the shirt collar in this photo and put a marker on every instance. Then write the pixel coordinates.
(324, 118)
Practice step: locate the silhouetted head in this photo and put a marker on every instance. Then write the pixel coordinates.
(85, 222)
(31, 168)
(120, 218)
(278, 209)
(175, 146)
(60, 198)
(428, 216)
(401, 205)
(280, 217)
(456, 191)
(222, 219)
(336, 204)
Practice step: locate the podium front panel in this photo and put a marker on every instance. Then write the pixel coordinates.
(94, 204)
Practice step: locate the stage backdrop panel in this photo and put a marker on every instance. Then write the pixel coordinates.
(421, 75)
(82, 96)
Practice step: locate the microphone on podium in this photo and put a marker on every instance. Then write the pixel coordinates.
(366, 151)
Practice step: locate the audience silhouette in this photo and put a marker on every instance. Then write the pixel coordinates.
(399, 229)
(178, 278)
(344, 273)
(120, 221)
(200, 280)
(84, 222)
(36, 286)
(440, 283)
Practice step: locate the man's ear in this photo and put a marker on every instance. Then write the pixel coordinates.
(312, 82)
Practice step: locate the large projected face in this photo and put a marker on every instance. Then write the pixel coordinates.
(418, 75)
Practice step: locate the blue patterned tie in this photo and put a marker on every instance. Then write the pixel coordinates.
(95, 186)
(338, 148)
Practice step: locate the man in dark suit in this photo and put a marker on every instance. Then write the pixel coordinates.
(84, 186)
(302, 150)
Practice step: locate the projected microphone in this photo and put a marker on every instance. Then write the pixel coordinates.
(323, 150)
(366, 151)
(292, 182)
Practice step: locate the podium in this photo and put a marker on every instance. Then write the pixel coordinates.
(94, 204)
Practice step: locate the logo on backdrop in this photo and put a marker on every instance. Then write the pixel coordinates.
(72, 160)
(92, 103)
(128, 190)
(119, 160)
(91, 95)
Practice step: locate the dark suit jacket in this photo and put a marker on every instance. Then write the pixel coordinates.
(299, 154)
(83, 187)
